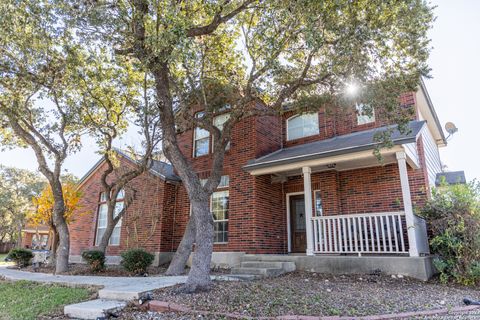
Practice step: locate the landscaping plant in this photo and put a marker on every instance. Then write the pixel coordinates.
(136, 260)
(453, 214)
(21, 256)
(95, 259)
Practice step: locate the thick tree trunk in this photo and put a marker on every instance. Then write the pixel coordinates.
(63, 249)
(177, 265)
(54, 245)
(199, 275)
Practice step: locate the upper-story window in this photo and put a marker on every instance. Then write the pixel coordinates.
(302, 125)
(219, 122)
(102, 218)
(201, 139)
(365, 114)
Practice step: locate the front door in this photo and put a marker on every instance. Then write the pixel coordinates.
(297, 224)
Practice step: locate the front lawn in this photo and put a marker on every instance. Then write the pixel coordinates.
(303, 293)
(27, 300)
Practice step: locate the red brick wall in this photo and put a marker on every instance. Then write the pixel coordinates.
(149, 212)
(257, 212)
(338, 122)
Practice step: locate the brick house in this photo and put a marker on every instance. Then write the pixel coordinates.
(303, 187)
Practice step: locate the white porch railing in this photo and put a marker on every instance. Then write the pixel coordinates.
(361, 233)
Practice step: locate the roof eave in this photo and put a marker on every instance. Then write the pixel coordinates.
(371, 146)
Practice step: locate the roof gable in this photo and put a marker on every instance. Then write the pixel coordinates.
(159, 169)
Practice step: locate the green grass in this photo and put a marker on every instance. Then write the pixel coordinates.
(25, 300)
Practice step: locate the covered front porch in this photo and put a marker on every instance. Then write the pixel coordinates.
(362, 225)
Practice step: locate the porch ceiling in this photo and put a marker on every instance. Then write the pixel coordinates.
(340, 153)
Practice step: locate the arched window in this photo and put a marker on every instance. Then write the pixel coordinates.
(302, 125)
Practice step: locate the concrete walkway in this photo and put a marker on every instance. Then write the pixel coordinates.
(114, 292)
(131, 287)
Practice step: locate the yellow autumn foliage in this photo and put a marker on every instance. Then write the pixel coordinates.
(43, 205)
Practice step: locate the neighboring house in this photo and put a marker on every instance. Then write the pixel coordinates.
(449, 178)
(36, 237)
(305, 186)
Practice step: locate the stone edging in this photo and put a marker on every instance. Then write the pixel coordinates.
(163, 306)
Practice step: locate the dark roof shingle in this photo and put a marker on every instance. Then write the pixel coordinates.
(353, 142)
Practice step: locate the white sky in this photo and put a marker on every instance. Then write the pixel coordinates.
(455, 63)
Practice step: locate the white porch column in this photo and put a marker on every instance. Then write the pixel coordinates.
(407, 204)
(307, 189)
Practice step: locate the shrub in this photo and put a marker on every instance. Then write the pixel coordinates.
(136, 260)
(95, 259)
(453, 214)
(21, 256)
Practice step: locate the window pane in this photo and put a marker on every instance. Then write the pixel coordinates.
(224, 181)
(201, 133)
(103, 197)
(303, 125)
(221, 231)
(118, 208)
(318, 204)
(115, 238)
(100, 232)
(219, 205)
(201, 147)
(102, 216)
(365, 114)
(121, 194)
(220, 120)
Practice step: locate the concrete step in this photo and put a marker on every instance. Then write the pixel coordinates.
(93, 309)
(286, 266)
(125, 293)
(265, 272)
(239, 277)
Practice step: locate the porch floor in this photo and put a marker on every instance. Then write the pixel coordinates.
(415, 267)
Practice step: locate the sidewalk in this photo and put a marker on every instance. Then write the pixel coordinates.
(130, 284)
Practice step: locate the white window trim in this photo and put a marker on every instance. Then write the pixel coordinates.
(211, 210)
(299, 115)
(194, 145)
(194, 149)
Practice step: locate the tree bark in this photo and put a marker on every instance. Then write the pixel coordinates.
(63, 249)
(199, 275)
(177, 265)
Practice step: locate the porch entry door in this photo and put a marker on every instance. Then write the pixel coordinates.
(297, 224)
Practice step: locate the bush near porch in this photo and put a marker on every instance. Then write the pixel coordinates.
(453, 215)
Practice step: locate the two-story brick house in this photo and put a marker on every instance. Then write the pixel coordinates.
(306, 185)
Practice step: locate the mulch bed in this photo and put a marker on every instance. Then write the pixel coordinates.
(322, 295)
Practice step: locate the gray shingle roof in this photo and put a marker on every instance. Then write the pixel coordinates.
(164, 169)
(454, 177)
(358, 141)
(159, 168)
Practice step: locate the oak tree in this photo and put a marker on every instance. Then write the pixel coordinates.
(254, 58)
(37, 52)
